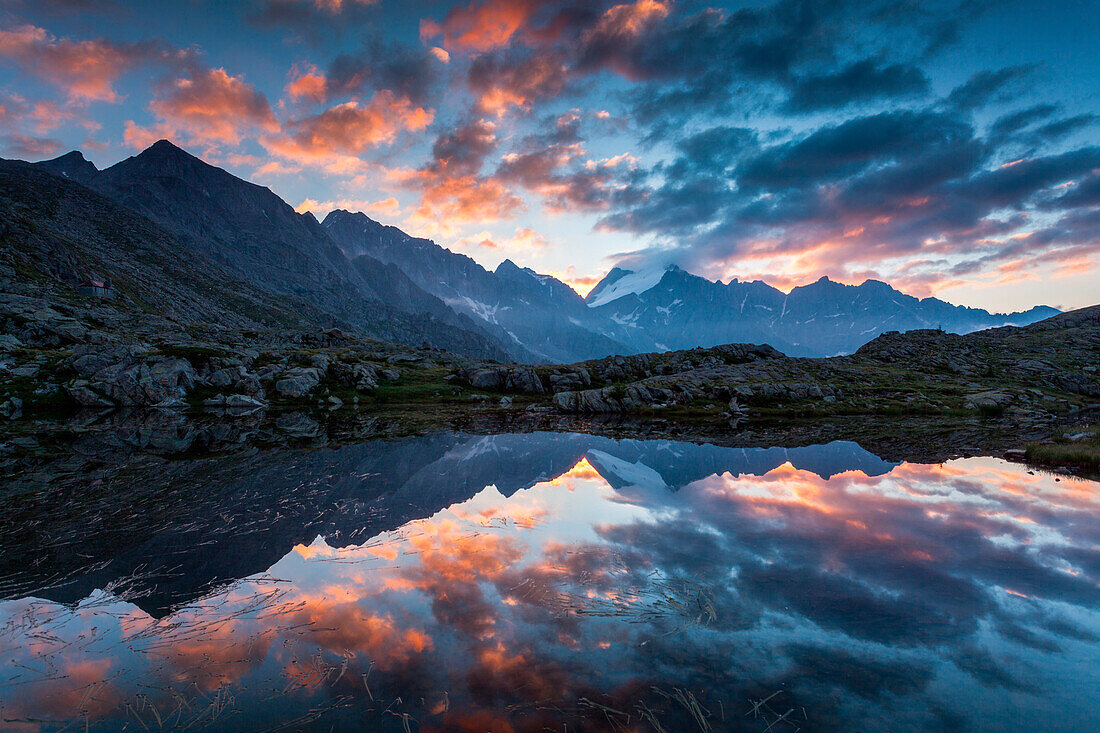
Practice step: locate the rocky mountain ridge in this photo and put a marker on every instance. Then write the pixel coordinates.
(278, 267)
(672, 309)
(69, 222)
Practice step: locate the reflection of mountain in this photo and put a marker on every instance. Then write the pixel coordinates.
(217, 519)
(933, 597)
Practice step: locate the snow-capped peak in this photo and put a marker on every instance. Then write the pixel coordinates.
(633, 282)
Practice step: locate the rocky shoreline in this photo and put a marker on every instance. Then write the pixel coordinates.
(61, 356)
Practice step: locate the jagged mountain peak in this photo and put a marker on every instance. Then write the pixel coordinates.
(337, 215)
(72, 165)
(165, 150)
(507, 266)
(510, 269)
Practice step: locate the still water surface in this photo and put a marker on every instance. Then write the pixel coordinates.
(560, 582)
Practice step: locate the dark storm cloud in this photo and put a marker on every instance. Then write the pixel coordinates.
(308, 21)
(411, 72)
(858, 82)
(462, 150)
(1084, 193)
(833, 153)
(1015, 183)
(988, 86)
(1062, 128)
(714, 149)
(862, 675)
(1016, 121)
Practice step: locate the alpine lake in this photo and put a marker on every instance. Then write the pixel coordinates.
(546, 581)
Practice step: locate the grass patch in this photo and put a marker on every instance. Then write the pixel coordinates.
(415, 386)
(1083, 453)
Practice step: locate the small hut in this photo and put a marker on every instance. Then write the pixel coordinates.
(96, 288)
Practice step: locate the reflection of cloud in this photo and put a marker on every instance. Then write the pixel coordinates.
(859, 595)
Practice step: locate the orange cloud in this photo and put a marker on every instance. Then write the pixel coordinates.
(523, 241)
(480, 27)
(86, 70)
(387, 207)
(350, 128)
(628, 21)
(207, 106)
(309, 83)
(446, 201)
(348, 626)
(581, 283)
(502, 84)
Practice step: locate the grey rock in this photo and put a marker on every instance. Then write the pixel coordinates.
(224, 377)
(298, 382)
(81, 392)
(243, 400)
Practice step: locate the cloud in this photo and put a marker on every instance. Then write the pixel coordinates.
(349, 129)
(985, 87)
(209, 106)
(915, 196)
(481, 26)
(503, 81)
(609, 42)
(29, 146)
(452, 190)
(312, 21)
(462, 150)
(85, 70)
(389, 207)
(1062, 128)
(307, 83)
(524, 241)
(1013, 122)
(838, 151)
(858, 82)
(554, 165)
(405, 71)
(447, 202)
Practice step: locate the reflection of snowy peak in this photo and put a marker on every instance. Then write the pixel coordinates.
(257, 506)
(618, 472)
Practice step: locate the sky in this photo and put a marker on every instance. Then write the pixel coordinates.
(945, 146)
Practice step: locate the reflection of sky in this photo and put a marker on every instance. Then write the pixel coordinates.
(931, 597)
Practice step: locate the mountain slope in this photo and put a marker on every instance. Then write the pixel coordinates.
(542, 317)
(258, 237)
(357, 273)
(54, 233)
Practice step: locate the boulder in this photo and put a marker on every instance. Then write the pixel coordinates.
(358, 376)
(298, 382)
(80, 391)
(524, 380)
(243, 400)
(487, 377)
(224, 377)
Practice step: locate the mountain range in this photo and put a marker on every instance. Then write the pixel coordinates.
(189, 239)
